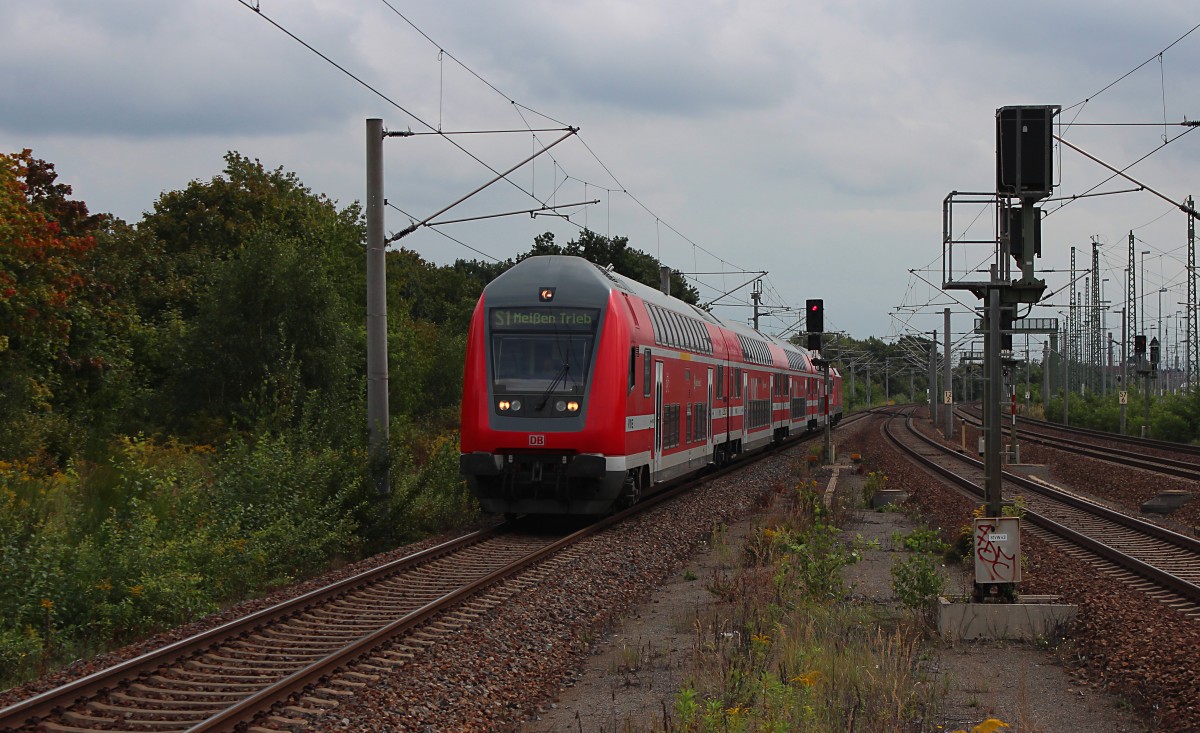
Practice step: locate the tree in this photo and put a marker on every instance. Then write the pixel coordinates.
(251, 292)
(48, 297)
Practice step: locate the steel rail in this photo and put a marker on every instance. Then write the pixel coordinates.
(1166, 445)
(1158, 464)
(41, 705)
(1179, 586)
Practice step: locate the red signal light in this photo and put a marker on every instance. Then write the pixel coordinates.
(816, 316)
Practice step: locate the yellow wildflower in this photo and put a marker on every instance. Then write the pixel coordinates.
(809, 679)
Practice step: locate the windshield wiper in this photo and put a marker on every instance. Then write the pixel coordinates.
(566, 367)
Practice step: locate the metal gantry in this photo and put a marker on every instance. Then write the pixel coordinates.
(1131, 309)
(1097, 336)
(1071, 342)
(1193, 348)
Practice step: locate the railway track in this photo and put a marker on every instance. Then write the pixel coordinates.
(1181, 449)
(1162, 563)
(1136, 456)
(243, 668)
(276, 666)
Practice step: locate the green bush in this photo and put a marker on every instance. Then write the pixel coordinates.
(916, 581)
(921, 540)
(875, 482)
(159, 535)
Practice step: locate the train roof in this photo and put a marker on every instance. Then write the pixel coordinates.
(575, 282)
(659, 298)
(579, 282)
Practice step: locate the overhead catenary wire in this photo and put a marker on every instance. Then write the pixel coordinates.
(1121, 172)
(592, 152)
(493, 258)
(518, 107)
(1112, 84)
(258, 11)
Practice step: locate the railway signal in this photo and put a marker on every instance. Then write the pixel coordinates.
(814, 322)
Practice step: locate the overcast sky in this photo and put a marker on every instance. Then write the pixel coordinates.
(814, 141)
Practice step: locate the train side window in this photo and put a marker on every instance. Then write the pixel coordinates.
(646, 373)
(720, 381)
(633, 367)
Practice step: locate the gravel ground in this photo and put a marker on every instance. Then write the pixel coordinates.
(636, 669)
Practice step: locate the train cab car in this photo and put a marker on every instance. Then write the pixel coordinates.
(544, 388)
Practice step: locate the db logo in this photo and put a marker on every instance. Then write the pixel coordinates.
(537, 439)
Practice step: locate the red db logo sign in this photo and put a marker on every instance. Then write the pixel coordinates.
(538, 440)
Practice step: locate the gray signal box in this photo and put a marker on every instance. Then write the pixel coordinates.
(997, 551)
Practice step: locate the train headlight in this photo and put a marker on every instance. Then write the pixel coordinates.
(516, 405)
(504, 405)
(572, 406)
(560, 406)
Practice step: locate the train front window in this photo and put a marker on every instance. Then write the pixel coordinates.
(542, 349)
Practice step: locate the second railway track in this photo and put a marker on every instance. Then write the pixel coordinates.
(1171, 459)
(1167, 560)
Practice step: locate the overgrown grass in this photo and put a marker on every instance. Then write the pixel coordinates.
(155, 535)
(784, 653)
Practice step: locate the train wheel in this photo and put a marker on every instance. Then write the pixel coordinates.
(632, 490)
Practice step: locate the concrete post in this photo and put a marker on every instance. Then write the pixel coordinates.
(377, 370)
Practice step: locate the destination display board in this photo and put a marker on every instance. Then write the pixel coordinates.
(544, 319)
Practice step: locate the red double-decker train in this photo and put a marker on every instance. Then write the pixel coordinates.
(583, 388)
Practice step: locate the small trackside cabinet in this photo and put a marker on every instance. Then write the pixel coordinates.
(997, 550)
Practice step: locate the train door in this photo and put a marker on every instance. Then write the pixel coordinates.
(658, 417)
(709, 414)
(773, 387)
(745, 404)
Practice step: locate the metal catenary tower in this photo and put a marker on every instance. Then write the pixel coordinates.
(1193, 346)
(1131, 322)
(1097, 335)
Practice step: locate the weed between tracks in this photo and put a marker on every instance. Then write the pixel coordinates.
(782, 652)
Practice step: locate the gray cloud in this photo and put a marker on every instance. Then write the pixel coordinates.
(814, 140)
(129, 69)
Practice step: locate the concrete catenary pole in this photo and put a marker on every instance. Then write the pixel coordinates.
(377, 370)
